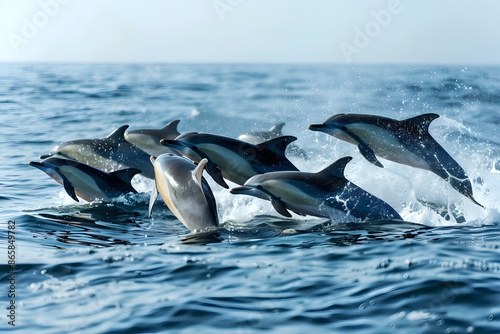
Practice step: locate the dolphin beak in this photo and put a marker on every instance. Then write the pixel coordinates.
(242, 190)
(317, 127)
(251, 191)
(45, 156)
(36, 164)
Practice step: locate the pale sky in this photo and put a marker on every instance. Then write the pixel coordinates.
(251, 31)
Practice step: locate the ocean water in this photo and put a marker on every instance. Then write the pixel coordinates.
(105, 267)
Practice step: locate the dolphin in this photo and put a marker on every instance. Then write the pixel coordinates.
(407, 142)
(87, 182)
(185, 191)
(108, 154)
(233, 159)
(148, 140)
(326, 193)
(257, 137)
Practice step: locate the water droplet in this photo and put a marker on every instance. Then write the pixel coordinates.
(490, 317)
(470, 329)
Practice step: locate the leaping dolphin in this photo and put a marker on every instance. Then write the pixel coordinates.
(323, 194)
(407, 142)
(233, 159)
(87, 182)
(257, 137)
(185, 191)
(108, 154)
(148, 140)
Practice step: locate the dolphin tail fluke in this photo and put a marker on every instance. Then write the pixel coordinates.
(465, 188)
(475, 202)
(280, 207)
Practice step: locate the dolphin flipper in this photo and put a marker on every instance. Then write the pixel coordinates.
(465, 188)
(280, 207)
(364, 149)
(216, 174)
(152, 200)
(154, 191)
(70, 190)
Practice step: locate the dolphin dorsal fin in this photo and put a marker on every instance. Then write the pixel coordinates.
(126, 174)
(198, 171)
(118, 134)
(337, 168)
(421, 122)
(277, 145)
(170, 130)
(278, 128)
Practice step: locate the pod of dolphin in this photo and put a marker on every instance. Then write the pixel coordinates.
(103, 168)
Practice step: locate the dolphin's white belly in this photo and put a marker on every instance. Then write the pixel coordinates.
(85, 186)
(296, 199)
(387, 145)
(168, 192)
(184, 198)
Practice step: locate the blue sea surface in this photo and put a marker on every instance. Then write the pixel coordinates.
(105, 267)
